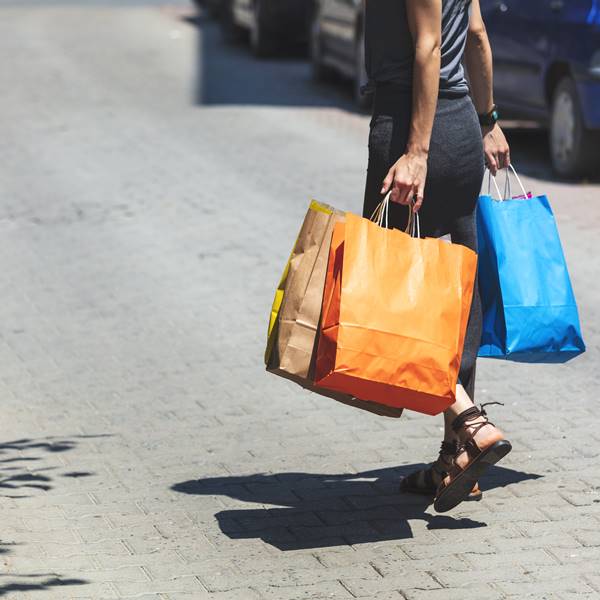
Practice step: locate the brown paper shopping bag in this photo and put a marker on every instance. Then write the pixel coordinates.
(294, 325)
(395, 312)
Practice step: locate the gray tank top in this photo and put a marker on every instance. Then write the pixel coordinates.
(390, 51)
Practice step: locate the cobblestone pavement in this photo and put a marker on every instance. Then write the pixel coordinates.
(152, 182)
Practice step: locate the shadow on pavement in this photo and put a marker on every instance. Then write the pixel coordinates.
(228, 74)
(18, 460)
(50, 581)
(320, 510)
(21, 477)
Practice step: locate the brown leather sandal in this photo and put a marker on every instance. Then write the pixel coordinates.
(423, 481)
(462, 479)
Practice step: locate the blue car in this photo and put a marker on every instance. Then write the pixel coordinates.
(547, 68)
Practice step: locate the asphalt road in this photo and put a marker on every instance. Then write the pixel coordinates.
(152, 180)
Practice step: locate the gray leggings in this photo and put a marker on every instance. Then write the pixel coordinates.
(455, 173)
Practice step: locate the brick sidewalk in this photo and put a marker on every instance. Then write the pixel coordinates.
(146, 453)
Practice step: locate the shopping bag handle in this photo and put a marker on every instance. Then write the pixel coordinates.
(492, 179)
(507, 187)
(381, 213)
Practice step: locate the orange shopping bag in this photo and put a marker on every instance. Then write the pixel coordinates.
(395, 313)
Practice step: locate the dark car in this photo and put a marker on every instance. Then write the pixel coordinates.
(337, 42)
(270, 23)
(547, 68)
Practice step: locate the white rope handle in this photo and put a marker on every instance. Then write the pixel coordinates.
(380, 214)
(381, 217)
(517, 178)
(491, 179)
(507, 195)
(507, 186)
(417, 222)
(413, 227)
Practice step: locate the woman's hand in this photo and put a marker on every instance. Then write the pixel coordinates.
(495, 148)
(406, 179)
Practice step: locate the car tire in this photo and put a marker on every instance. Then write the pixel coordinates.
(232, 32)
(320, 71)
(208, 7)
(572, 146)
(363, 101)
(262, 41)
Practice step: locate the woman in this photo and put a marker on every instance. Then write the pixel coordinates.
(427, 144)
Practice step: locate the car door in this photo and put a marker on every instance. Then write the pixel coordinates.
(523, 38)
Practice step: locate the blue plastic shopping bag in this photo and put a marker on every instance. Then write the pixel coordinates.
(529, 309)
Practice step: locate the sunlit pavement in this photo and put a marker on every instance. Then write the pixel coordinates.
(152, 181)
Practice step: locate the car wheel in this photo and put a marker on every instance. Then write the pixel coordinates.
(232, 32)
(572, 146)
(319, 70)
(261, 40)
(363, 101)
(211, 8)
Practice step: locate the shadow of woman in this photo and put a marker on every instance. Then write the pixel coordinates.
(308, 510)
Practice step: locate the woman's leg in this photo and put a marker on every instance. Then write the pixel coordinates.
(387, 140)
(463, 231)
(482, 445)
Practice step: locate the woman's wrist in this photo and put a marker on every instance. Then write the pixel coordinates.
(417, 150)
(489, 118)
(485, 129)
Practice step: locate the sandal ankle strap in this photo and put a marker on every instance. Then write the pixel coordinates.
(467, 415)
(449, 448)
(470, 414)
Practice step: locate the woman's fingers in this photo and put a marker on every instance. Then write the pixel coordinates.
(492, 162)
(496, 149)
(402, 192)
(406, 180)
(398, 195)
(418, 196)
(388, 181)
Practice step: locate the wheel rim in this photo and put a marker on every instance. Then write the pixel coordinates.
(563, 127)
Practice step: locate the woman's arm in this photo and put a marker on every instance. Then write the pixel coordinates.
(407, 176)
(478, 56)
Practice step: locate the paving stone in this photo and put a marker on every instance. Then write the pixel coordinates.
(452, 578)
(476, 591)
(178, 584)
(327, 589)
(400, 581)
(575, 555)
(540, 588)
(506, 559)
